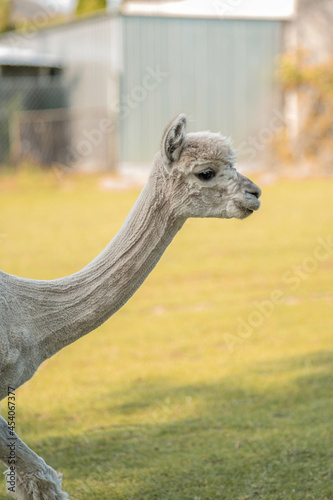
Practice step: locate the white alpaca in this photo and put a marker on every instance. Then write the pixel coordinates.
(192, 176)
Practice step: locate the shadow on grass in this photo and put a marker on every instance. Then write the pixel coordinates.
(234, 439)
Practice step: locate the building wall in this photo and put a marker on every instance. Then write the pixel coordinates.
(311, 29)
(220, 72)
(90, 51)
(146, 70)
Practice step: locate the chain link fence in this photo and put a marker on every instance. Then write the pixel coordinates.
(38, 126)
(28, 93)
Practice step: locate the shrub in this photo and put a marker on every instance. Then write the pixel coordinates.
(313, 86)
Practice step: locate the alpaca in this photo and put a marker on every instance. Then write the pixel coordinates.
(192, 176)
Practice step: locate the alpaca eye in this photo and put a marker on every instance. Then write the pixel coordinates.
(206, 176)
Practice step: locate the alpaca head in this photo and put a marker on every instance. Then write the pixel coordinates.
(199, 169)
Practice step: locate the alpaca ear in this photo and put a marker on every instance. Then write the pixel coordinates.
(173, 140)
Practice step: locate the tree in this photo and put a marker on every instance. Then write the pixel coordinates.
(86, 6)
(5, 10)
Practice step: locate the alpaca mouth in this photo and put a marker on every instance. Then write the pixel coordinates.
(248, 206)
(252, 203)
(246, 212)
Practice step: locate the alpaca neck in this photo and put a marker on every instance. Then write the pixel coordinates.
(63, 310)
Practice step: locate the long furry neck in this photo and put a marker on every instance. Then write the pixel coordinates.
(49, 315)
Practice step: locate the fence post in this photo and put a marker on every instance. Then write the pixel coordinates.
(112, 144)
(14, 138)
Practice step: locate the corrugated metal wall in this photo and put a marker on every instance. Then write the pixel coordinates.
(91, 54)
(220, 72)
(90, 51)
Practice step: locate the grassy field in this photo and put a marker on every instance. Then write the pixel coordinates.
(215, 381)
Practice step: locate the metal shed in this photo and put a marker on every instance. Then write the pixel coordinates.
(90, 55)
(218, 65)
(219, 72)
(139, 70)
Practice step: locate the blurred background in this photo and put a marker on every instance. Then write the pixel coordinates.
(90, 84)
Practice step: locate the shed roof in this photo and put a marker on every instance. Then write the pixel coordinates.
(230, 9)
(23, 57)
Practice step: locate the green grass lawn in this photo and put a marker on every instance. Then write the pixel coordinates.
(192, 391)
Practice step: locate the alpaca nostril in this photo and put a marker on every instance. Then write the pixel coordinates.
(254, 190)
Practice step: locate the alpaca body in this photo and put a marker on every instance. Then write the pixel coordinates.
(192, 176)
(39, 318)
